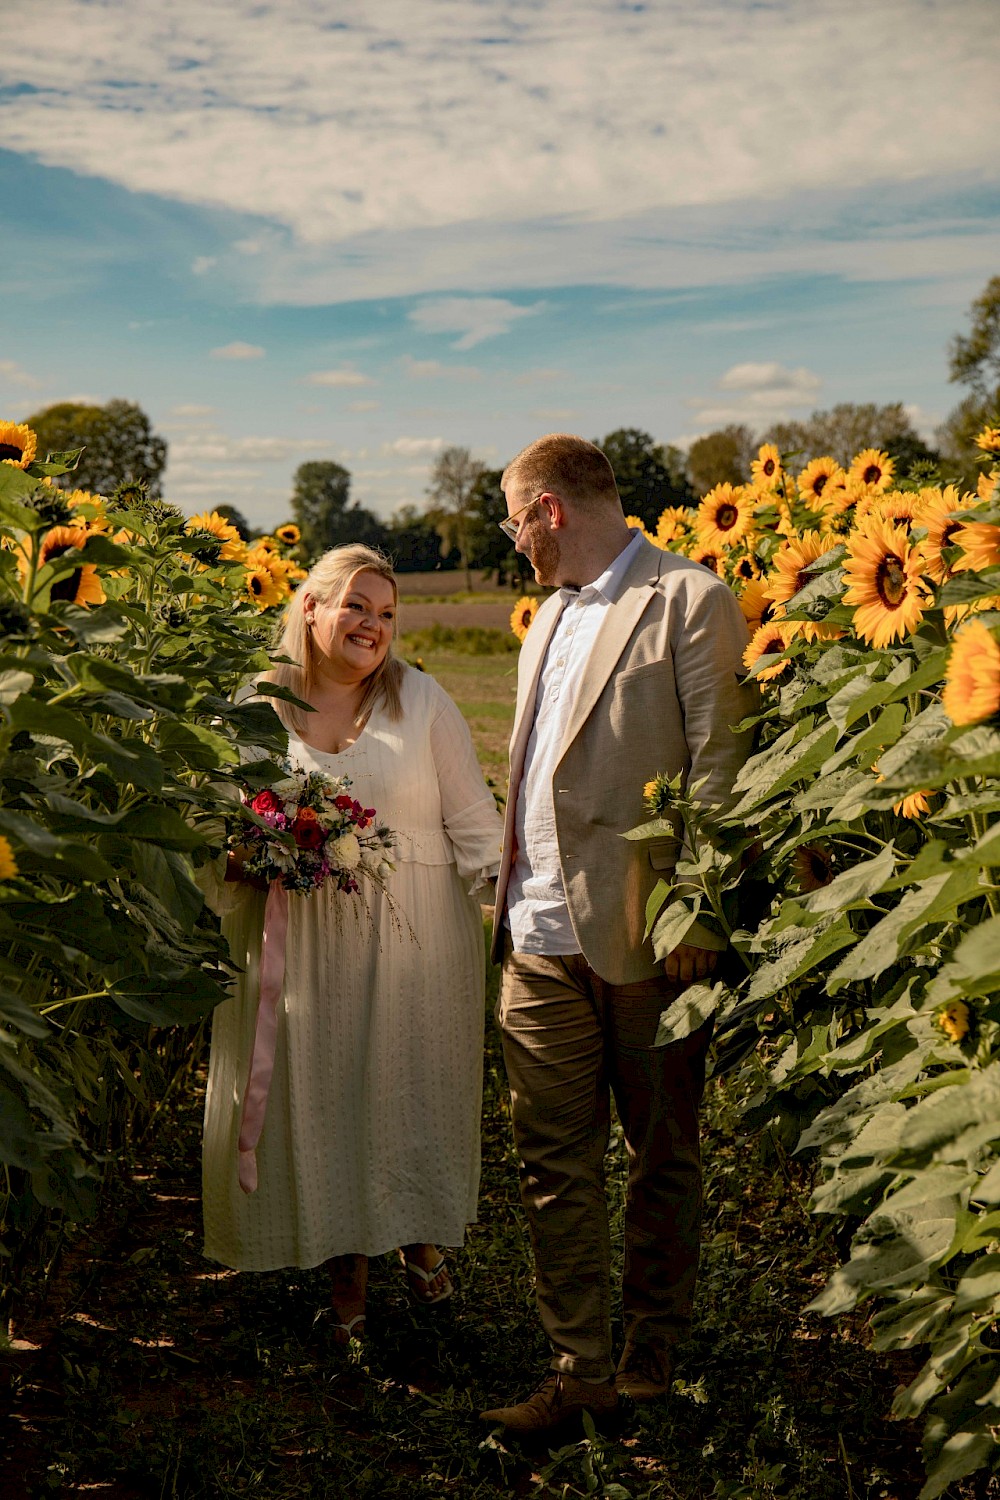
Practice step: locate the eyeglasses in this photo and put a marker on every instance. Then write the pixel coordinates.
(511, 525)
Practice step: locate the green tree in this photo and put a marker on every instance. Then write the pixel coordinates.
(238, 519)
(118, 442)
(489, 548)
(649, 476)
(974, 362)
(848, 428)
(721, 457)
(413, 543)
(320, 504)
(452, 492)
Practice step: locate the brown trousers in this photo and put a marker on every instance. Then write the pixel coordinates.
(568, 1037)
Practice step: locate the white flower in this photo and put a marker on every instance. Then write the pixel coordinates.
(384, 870)
(345, 852)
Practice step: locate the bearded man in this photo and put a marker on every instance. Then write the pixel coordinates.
(632, 668)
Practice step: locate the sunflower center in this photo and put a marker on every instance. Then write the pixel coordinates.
(773, 646)
(8, 450)
(890, 580)
(66, 587)
(256, 585)
(769, 467)
(872, 474)
(819, 483)
(819, 867)
(726, 517)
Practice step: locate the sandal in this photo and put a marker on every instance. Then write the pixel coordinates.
(349, 1283)
(347, 1329)
(419, 1280)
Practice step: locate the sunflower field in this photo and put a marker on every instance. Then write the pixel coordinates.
(127, 630)
(856, 881)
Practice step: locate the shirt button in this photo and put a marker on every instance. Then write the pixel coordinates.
(560, 662)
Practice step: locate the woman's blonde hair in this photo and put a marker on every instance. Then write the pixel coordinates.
(327, 583)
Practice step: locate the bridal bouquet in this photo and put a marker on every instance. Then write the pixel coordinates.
(307, 829)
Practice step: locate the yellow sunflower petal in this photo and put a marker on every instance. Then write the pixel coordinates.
(18, 444)
(523, 613)
(972, 678)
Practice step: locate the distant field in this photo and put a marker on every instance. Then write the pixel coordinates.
(452, 581)
(484, 687)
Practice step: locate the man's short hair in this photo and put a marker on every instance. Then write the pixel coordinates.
(567, 465)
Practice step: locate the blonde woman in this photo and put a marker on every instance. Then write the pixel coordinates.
(371, 1136)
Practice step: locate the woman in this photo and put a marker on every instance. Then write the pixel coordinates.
(371, 1135)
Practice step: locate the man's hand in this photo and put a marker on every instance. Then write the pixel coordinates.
(687, 963)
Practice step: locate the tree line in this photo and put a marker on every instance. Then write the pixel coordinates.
(456, 525)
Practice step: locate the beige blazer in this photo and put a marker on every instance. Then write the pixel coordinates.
(662, 688)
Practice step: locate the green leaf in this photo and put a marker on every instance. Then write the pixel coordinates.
(800, 958)
(960, 1455)
(889, 1251)
(688, 1012)
(854, 887)
(954, 1121)
(672, 926)
(932, 900)
(965, 587)
(13, 684)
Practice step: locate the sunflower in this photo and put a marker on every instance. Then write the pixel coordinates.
(264, 544)
(234, 547)
(18, 444)
(792, 562)
(989, 440)
(972, 679)
(872, 467)
(289, 533)
(882, 571)
(745, 569)
(816, 478)
(954, 1019)
(672, 524)
(980, 543)
(724, 516)
(82, 586)
(98, 521)
(935, 513)
(813, 867)
(986, 484)
(755, 602)
(262, 587)
(525, 611)
(914, 806)
(708, 557)
(900, 507)
(771, 639)
(264, 559)
(8, 864)
(766, 467)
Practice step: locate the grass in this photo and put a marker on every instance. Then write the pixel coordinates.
(139, 1370)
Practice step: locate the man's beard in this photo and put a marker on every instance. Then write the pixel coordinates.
(545, 555)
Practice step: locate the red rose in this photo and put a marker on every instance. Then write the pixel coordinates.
(306, 831)
(266, 801)
(343, 803)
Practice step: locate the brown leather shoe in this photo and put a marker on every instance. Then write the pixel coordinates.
(557, 1402)
(645, 1371)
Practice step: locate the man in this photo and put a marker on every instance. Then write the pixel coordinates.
(632, 668)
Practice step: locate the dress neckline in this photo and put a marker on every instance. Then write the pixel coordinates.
(335, 754)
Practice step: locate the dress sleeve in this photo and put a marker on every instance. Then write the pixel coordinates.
(468, 808)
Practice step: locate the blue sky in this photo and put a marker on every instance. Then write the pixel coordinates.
(366, 232)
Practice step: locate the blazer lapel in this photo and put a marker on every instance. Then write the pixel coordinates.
(617, 626)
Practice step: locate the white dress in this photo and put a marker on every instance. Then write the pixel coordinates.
(371, 1138)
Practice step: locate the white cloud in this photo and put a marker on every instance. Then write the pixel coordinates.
(203, 263)
(191, 409)
(538, 376)
(360, 406)
(475, 318)
(757, 392)
(433, 369)
(342, 377)
(607, 111)
(767, 377)
(409, 447)
(238, 351)
(11, 373)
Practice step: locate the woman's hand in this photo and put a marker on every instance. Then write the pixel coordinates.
(235, 869)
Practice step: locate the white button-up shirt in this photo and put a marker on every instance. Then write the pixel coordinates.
(536, 899)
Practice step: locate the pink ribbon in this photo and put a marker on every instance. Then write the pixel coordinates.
(272, 976)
